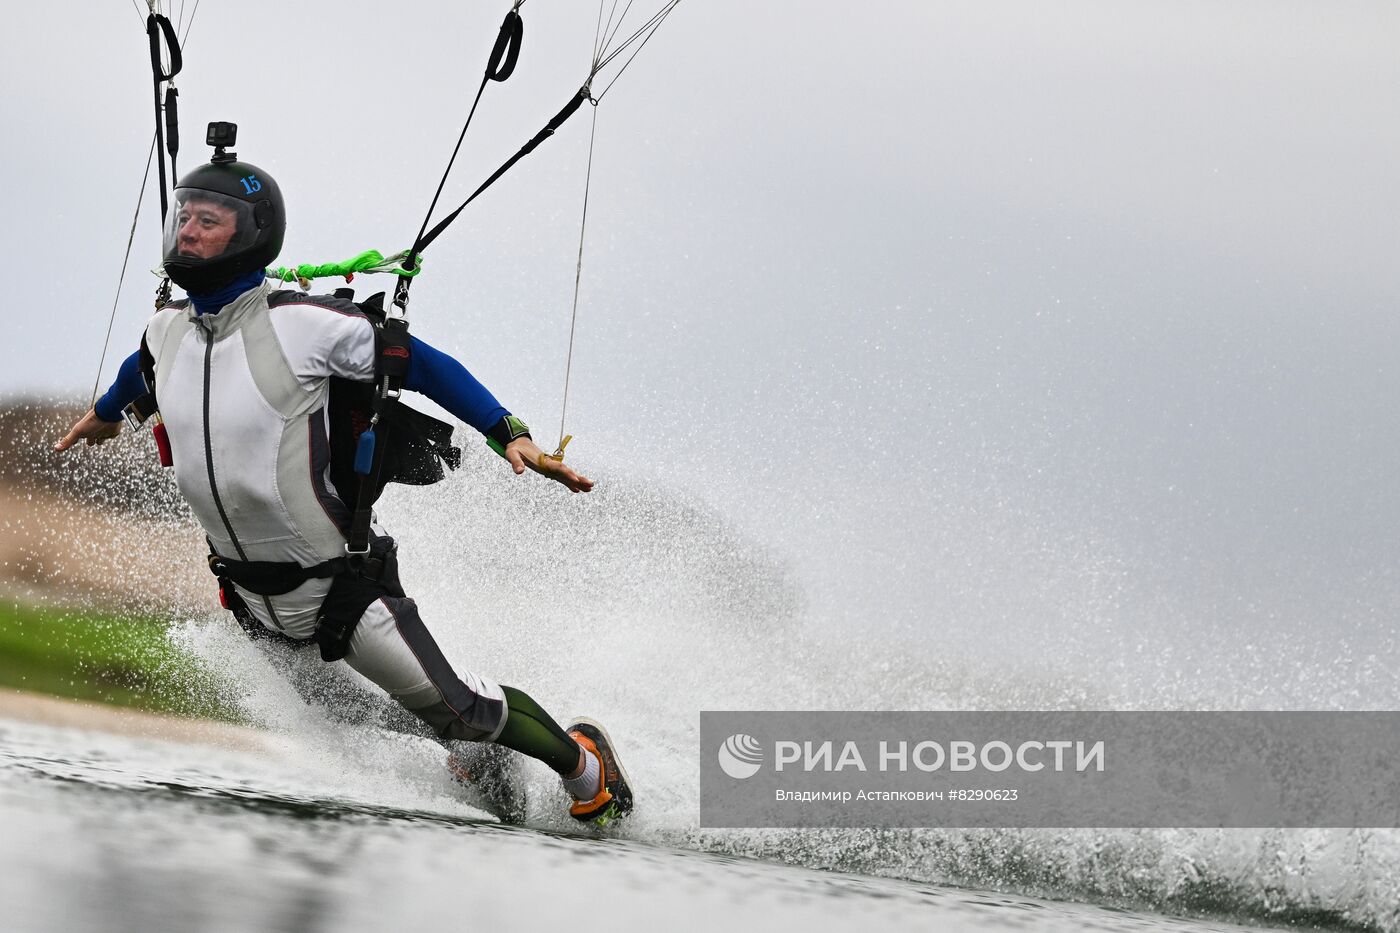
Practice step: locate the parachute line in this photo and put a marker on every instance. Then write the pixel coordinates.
(578, 277)
(190, 24)
(154, 7)
(644, 32)
(130, 238)
(610, 31)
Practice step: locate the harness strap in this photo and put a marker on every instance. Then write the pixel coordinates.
(273, 578)
(392, 356)
(356, 582)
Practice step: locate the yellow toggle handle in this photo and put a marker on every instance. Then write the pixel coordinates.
(558, 455)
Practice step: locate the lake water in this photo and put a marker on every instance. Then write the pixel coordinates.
(113, 833)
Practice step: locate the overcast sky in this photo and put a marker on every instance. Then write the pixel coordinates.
(1011, 315)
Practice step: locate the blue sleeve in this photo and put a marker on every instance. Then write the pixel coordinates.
(127, 389)
(447, 382)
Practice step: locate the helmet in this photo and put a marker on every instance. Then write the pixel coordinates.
(228, 220)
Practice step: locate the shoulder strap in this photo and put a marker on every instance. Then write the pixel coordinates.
(145, 405)
(391, 361)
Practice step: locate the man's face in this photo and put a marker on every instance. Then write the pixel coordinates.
(204, 228)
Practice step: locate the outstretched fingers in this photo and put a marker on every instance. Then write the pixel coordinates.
(69, 439)
(89, 428)
(561, 473)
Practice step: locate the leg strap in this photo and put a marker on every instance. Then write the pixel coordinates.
(366, 580)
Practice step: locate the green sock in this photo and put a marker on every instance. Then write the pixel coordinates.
(531, 731)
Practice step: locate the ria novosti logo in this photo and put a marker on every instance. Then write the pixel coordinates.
(741, 756)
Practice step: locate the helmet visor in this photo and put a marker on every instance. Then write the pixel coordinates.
(205, 225)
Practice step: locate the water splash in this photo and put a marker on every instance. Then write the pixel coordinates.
(642, 606)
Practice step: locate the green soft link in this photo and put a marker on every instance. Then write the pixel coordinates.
(495, 445)
(371, 260)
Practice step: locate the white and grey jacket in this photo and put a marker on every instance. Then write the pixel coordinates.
(243, 395)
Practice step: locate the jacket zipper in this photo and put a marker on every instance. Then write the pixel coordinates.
(209, 459)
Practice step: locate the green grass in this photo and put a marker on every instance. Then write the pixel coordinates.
(85, 654)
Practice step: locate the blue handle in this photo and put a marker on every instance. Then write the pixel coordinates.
(364, 453)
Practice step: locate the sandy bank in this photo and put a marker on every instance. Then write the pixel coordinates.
(75, 714)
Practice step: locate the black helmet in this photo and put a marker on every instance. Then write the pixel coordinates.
(228, 220)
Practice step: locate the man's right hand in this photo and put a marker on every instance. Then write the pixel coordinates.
(89, 428)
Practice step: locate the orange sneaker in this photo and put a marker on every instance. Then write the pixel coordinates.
(614, 798)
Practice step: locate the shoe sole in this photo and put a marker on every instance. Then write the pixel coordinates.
(499, 791)
(621, 804)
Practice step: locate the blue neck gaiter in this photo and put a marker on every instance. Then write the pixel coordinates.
(213, 302)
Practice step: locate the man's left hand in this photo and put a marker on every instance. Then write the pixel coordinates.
(524, 452)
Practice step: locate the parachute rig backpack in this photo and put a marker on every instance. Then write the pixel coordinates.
(413, 446)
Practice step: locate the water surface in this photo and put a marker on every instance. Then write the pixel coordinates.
(113, 834)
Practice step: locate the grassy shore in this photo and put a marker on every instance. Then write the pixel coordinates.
(85, 654)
